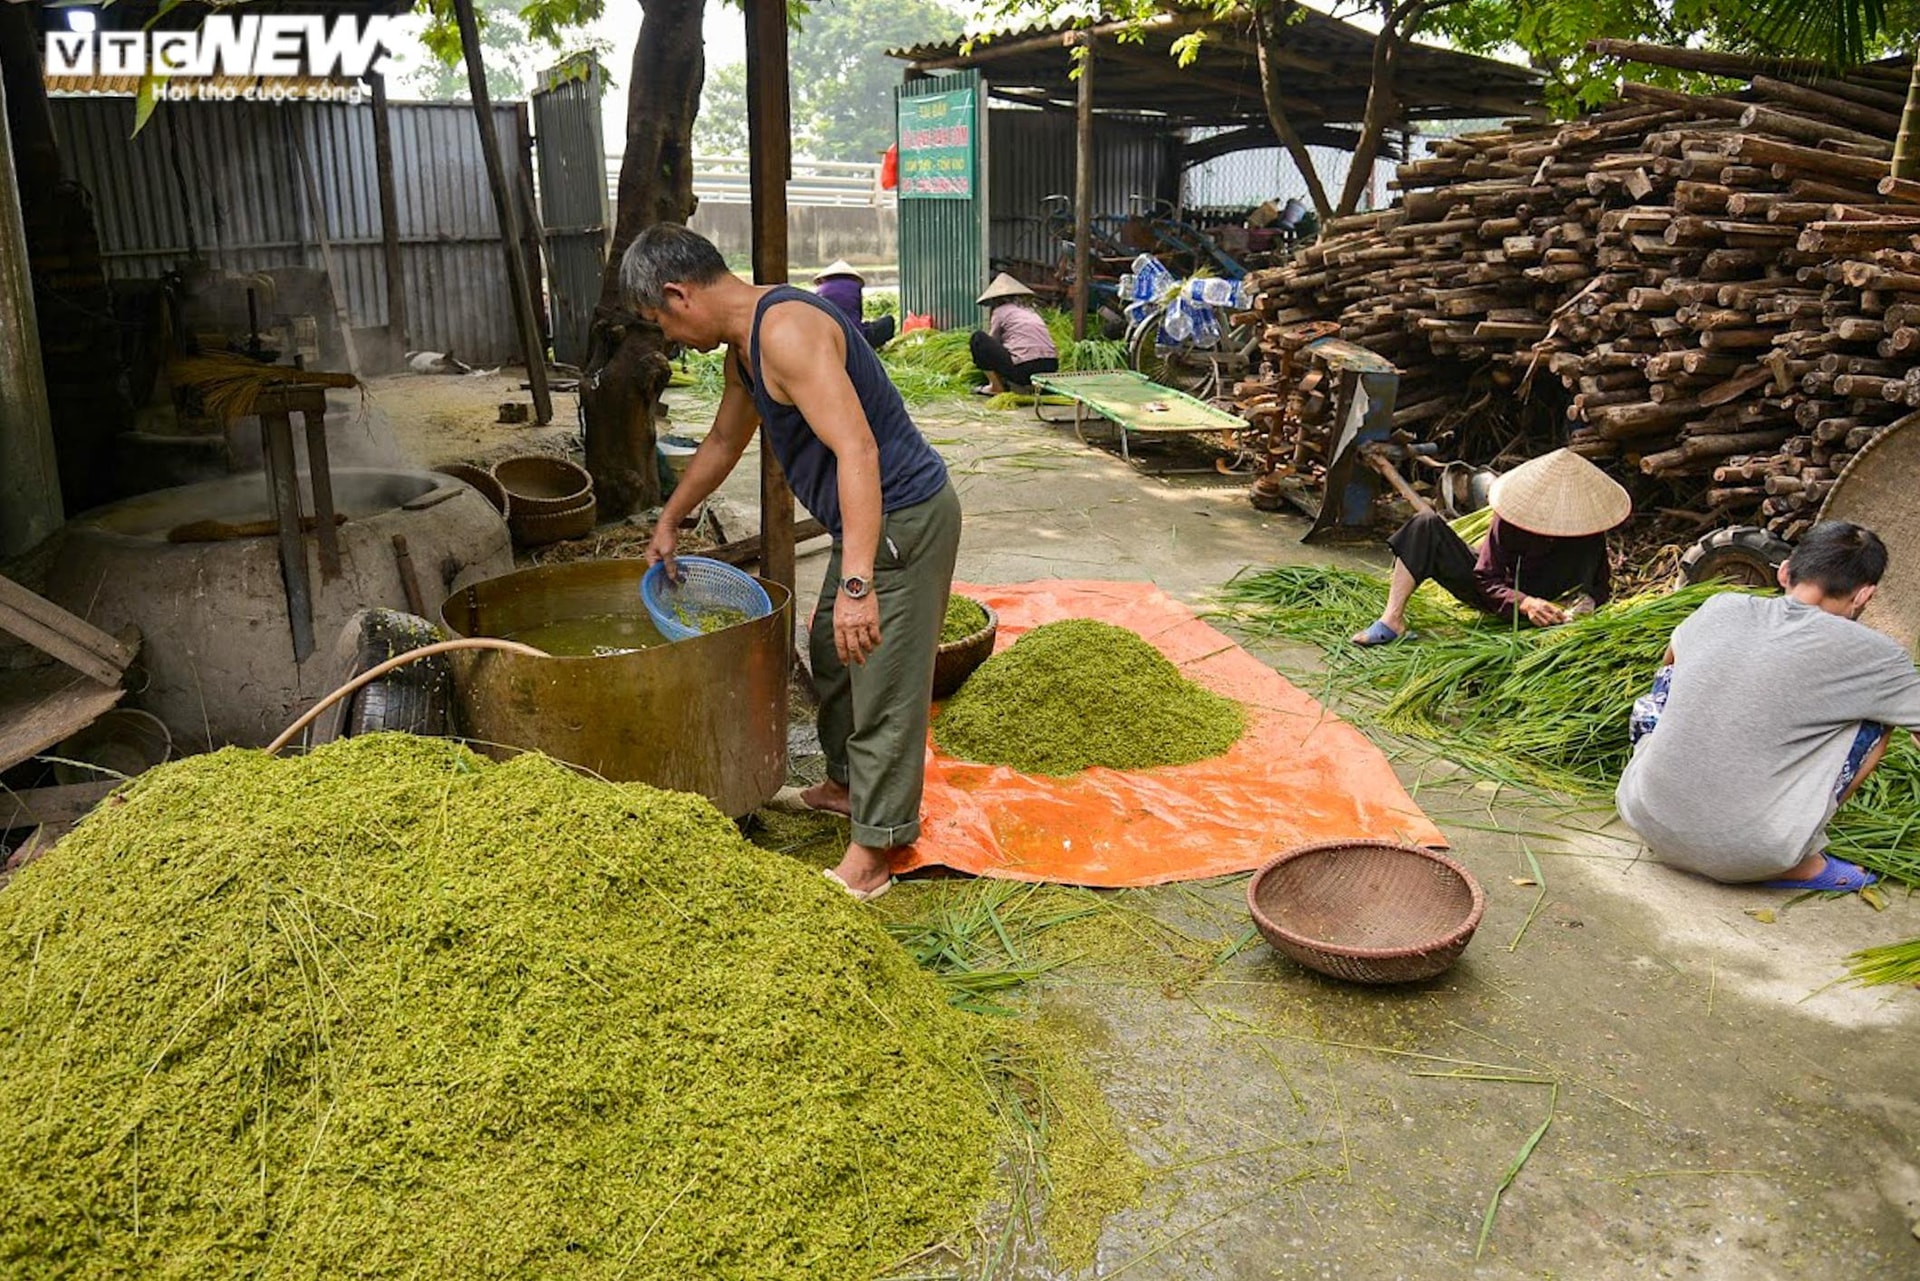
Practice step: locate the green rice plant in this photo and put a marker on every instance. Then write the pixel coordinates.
(1889, 963)
(1543, 708)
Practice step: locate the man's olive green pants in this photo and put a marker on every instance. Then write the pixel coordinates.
(873, 716)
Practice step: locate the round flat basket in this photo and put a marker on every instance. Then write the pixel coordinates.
(540, 484)
(710, 595)
(1876, 490)
(536, 529)
(954, 661)
(122, 741)
(1367, 911)
(481, 479)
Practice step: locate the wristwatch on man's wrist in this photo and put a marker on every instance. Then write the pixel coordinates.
(855, 586)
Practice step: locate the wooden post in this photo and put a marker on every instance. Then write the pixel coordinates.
(1083, 192)
(389, 225)
(30, 506)
(533, 236)
(770, 156)
(504, 210)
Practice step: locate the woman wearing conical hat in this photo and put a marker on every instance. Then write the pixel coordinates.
(1547, 546)
(845, 288)
(1016, 344)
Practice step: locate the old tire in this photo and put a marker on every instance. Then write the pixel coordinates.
(1743, 554)
(413, 699)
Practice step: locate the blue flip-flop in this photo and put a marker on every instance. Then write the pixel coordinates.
(1380, 634)
(1837, 874)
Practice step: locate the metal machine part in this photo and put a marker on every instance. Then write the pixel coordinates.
(1337, 400)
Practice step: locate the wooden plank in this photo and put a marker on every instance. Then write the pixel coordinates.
(396, 277)
(1083, 193)
(44, 806)
(770, 164)
(42, 705)
(507, 212)
(49, 641)
(744, 551)
(72, 626)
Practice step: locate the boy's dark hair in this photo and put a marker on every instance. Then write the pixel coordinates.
(667, 254)
(1839, 556)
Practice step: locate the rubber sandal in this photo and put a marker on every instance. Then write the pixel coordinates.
(1837, 874)
(859, 896)
(1380, 634)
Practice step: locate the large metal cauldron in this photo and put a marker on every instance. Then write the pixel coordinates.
(707, 715)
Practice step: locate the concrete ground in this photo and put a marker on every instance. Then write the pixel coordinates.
(1721, 1107)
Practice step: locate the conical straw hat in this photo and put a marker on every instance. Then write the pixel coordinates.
(1003, 286)
(1561, 495)
(840, 267)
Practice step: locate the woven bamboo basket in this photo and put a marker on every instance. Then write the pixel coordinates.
(954, 661)
(483, 480)
(1367, 911)
(542, 485)
(1877, 490)
(536, 529)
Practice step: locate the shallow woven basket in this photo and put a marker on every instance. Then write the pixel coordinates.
(954, 661)
(1876, 489)
(536, 529)
(1367, 911)
(541, 485)
(481, 479)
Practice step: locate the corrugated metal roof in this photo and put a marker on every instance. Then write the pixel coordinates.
(1326, 72)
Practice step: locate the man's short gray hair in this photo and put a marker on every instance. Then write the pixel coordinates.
(667, 254)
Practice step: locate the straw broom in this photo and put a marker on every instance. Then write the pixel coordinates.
(230, 385)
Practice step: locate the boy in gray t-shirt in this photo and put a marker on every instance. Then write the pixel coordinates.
(1772, 713)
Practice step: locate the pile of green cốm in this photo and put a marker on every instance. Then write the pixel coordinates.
(707, 619)
(1074, 694)
(1539, 707)
(965, 617)
(393, 1010)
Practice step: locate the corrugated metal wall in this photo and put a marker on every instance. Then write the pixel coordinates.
(1242, 179)
(573, 201)
(1033, 158)
(226, 177)
(942, 249)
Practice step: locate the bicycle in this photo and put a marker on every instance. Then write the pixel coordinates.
(1174, 336)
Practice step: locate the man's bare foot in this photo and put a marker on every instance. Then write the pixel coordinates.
(829, 797)
(1806, 869)
(864, 869)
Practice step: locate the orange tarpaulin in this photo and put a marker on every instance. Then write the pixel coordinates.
(1298, 774)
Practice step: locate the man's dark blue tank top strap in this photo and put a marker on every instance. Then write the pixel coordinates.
(910, 471)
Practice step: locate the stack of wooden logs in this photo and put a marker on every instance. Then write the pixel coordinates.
(1728, 287)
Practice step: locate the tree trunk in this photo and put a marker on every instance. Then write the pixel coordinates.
(1382, 106)
(1270, 29)
(627, 365)
(1906, 148)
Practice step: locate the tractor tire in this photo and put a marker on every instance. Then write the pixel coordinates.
(1743, 554)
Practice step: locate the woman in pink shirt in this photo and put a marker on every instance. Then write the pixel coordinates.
(1015, 345)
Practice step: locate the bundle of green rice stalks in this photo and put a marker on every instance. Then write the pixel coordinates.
(1074, 694)
(393, 1010)
(1892, 963)
(1547, 704)
(1541, 707)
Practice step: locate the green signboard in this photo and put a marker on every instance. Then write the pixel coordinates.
(937, 146)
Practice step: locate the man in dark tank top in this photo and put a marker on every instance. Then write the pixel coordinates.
(797, 369)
